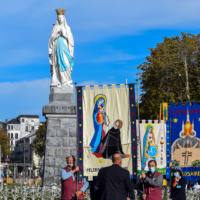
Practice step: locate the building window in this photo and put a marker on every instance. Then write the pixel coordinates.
(8, 127)
(32, 128)
(26, 129)
(22, 120)
(11, 127)
(11, 142)
(11, 135)
(16, 136)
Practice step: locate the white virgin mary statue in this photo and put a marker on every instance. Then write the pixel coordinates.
(61, 52)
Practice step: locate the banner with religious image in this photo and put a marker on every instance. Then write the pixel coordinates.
(153, 144)
(106, 125)
(184, 139)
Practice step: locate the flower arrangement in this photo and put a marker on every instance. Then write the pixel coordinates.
(54, 186)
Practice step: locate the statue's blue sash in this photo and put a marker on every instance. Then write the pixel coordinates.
(61, 49)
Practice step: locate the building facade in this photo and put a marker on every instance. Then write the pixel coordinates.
(23, 151)
(20, 127)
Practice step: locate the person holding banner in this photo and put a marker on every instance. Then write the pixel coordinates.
(114, 182)
(178, 185)
(152, 182)
(69, 181)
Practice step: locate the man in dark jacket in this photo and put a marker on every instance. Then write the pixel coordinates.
(114, 182)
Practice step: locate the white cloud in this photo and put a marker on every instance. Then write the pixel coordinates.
(99, 19)
(113, 57)
(29, 22)
(92, 82)
(94, 20)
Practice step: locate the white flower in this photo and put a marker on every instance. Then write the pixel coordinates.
(54, 187)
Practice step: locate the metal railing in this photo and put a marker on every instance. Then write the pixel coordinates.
(54, 193)
(192, 194)
(33, 193)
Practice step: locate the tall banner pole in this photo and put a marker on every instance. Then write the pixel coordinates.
(77, 158)
(170, 132)
(139, 121)
(139, 127)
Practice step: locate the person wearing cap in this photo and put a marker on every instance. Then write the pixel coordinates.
(178, 184)
(152, 182)
(69, 181)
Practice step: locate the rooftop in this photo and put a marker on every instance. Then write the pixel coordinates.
(13, 121)
(28, 116)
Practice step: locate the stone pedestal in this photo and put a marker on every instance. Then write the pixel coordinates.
(60, 114)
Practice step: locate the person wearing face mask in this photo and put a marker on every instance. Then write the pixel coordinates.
(114, 182)
(152, 183)
(69, 181)
(178, 185)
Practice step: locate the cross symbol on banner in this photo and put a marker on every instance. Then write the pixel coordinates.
(186, 154)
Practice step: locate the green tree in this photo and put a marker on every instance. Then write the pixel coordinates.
(38, 144)
(176, 163)
(196, 164)
(170, 74)
(5, 143)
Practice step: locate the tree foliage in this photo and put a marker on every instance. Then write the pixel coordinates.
(38, 144)
(176, 163)
(5, 143)
(171, 73)
(196, 163)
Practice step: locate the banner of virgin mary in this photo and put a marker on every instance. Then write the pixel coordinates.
(106, 124)
(153, 145)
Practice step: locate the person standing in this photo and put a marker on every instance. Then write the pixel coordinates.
(152, 182)
(114, 182)
(178, 185)
(69, 181)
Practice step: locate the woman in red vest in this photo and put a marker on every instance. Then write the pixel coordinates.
(69, 181)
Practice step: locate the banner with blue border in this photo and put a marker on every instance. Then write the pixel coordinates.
(106, 124)
(183, 139)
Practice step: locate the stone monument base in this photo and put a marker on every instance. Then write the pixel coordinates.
(60, 114)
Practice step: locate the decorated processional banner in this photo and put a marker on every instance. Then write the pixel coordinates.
(106, 121)
(153, 144)
(183, 136)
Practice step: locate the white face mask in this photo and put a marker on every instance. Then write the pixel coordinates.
(71, 165)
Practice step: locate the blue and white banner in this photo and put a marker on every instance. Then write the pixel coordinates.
(153, 144)
(184, 140)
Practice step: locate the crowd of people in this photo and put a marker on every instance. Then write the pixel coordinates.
(114, 183)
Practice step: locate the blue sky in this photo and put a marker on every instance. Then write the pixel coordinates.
(111, 39)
